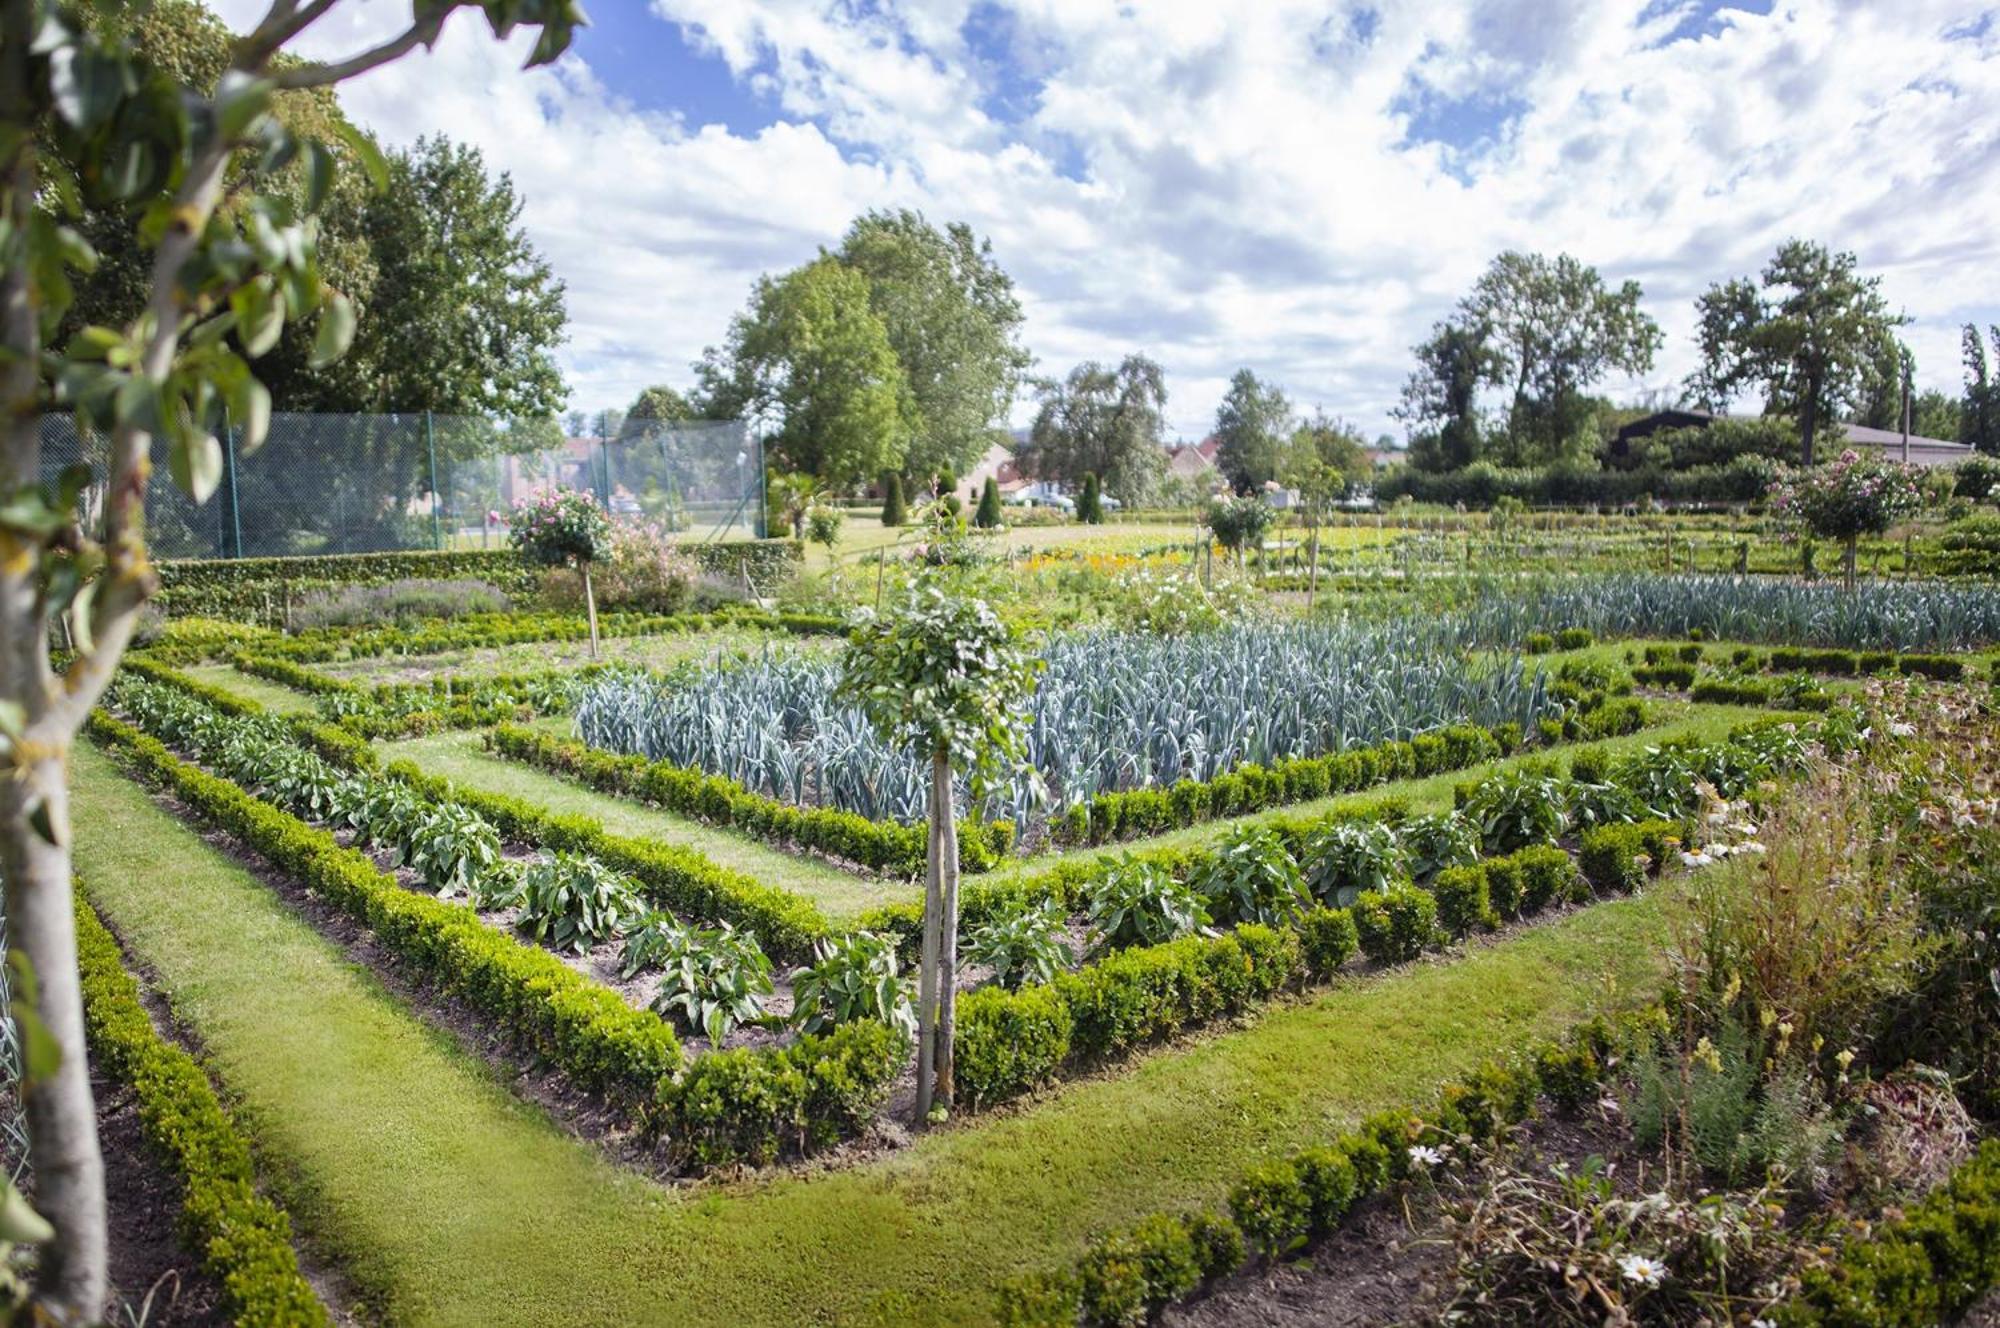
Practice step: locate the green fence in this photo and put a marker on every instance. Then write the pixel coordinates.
(333, 484)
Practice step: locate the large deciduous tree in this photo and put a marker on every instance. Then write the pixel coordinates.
(1808, 332)
(1105, 422)
(813, 360)
(943, 676)
(221, 196)
(1440, 404)
(1252, 426)
(1553, 328)
(952, 319)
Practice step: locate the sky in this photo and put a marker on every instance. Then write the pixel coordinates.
(1299, 188)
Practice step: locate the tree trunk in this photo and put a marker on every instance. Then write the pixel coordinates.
(67, 1167)
(927, 967)
(1809, 420)
(590, 607)
(947, 858)
(1847, 559)
(1312, 583)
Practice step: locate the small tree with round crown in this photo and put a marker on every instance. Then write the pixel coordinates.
(563, 528)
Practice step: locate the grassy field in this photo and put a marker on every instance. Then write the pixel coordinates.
(652, 652)
(449, 1202)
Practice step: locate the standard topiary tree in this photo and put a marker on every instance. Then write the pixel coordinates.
(988, 515)
(944, 677)
(1853, 496)
(1090, 503)
(894, 510)
(222, 194)
(1238, 523)
(563, 528)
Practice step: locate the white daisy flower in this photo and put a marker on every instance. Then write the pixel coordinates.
(1424, 1157)
(1638, 1268)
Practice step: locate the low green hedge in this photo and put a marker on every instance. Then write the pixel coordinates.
(243, 1240)
(1925, 1267)
(1131, 1275)
(1617, 858)
(397, 710)
(883, 846)
(585, 1029)
(258, 587)
(1251, 787)
(750, 1105)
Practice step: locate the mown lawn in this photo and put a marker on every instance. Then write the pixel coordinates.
(449, 1202)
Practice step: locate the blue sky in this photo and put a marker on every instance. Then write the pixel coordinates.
(1300, 186)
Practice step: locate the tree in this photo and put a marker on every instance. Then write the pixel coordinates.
(894, 509)
(1979, 410)
(1440, 405)
(86, 124)
(812, 357)
(1935, 414)
(987, 517)
(1553, 328)
(790, 497)
(1090, 502)
(1251, 427)
(563, 528)
(1808, 335)
(1892, 367)
(1331, 444)
(944, 677)
(954, 324)
(823, 523)
(1850, 497)
(1239, 522)
(656, 405)
(1106, 422)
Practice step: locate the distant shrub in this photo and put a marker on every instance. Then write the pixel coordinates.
(400, 602)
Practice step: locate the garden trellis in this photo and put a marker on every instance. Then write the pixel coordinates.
(1112, 712)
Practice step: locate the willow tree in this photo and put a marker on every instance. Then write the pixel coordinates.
(221, 196)
(941, 675)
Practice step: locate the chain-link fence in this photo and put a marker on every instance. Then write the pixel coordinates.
(369, 483)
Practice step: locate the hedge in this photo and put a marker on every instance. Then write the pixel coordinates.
(1131, 1275)
(409, 709)
(747, 1105)
(883, 846)
(242, 1238)
(1481, 484)
(257, 587)
(677, 879)
(1925, 1267)
(504, 629)
(584, 1028)
(1252, 787)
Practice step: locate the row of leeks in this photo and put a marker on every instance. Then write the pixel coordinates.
(1113, 711)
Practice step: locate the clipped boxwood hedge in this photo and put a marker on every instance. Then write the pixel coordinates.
(242, 1238)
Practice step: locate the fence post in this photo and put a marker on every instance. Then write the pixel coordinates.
(437, 494)
(235, 543)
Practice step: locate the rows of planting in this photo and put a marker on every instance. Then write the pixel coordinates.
(1787, 1138)
(1111, 712)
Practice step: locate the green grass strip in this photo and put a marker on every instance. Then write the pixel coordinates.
(448, 1202)
(459, 757)
(275, 697)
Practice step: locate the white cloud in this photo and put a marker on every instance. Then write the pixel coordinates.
(1229, 184)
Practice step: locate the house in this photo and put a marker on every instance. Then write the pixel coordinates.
(1000, 463)
(1926, 452)
(1190, 461)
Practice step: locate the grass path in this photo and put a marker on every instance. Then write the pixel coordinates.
(272, 696)
(449, 1202)
(458, 756)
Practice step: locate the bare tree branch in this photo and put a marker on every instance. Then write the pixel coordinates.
(318, 76)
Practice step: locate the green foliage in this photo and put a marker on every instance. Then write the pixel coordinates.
(1009, 1042)
(1140, 902)
(1327, 940)
(711, 980)
(1023, 946)
(988, 515)
(1464, 900)
(1252, 426)
(1618, 858)
(1251, 877)
(1396, 924)
(1851, 496)
(1090, 502)
(241, 1238)
(1438, 840)
(895, 510)
(1102, 421)
(1518, 807)
(1345, 857)
(1239, 523)
(852, 977)
(572, 902)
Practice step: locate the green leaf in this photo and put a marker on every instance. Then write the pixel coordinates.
(13, 718)
(366, 154)
(260, 318)
(20, 1224)
(336, 331)
(253, 414)
(239, 99)
(86, 85)
(319, 174)
(44, 823)
(196, 464)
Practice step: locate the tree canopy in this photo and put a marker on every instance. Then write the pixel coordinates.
(1105, 422)
(953, 321)
(1440, 404)
(1252, 426)
(813, 359)
(1809, 332)
(1979, 410)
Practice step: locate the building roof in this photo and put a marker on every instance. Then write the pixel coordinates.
(1923, 451)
